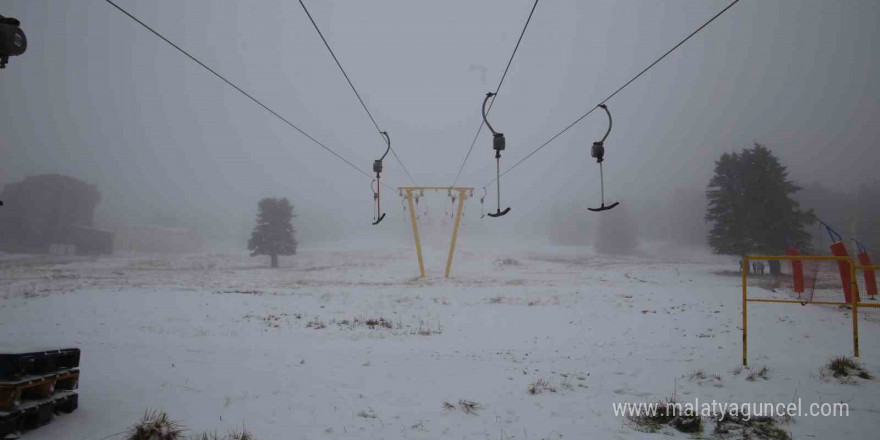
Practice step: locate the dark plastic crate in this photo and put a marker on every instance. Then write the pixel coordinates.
(9, 424)
(38, 416)
(67, 404)
(14, 365)
(33, 415)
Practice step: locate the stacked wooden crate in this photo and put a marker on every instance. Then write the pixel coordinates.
(35, 385)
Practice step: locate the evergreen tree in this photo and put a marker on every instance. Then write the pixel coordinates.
(751, 206)
(273, 234)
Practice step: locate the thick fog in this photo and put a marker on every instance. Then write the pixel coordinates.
(98, 97)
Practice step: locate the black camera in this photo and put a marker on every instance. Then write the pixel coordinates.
(13, 42)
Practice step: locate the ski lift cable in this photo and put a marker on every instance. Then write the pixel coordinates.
(579, 119)
(353, 89)
(246, 94)
(504, 75)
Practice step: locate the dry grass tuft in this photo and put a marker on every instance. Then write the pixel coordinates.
(243, 434)
(698, 375)
(235, 434)
(367, 414)
(846, 370)
(380, 322)
(155, 425)
(468, 407)
(541, 385)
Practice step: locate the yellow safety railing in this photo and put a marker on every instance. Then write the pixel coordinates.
(854, 298)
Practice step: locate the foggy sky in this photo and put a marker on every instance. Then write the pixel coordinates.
(98, 97)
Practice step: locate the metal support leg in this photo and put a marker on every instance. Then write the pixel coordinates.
(461, 197)
(855, 308)
(744, 267)
(415, 228)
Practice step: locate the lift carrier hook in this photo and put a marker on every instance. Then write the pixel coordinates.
(498, 145)
(377, 168)
(598, 152)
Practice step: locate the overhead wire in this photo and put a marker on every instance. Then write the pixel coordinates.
(579, 119)
(353, 89)
(489, 109)
(240, 90)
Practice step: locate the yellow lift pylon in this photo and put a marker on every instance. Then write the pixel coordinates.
(462, 195)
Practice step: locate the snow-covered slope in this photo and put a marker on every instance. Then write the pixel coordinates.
(349, 344)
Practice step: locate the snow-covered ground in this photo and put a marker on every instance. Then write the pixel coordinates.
(220, 341)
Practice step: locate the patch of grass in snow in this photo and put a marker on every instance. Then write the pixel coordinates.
(243, 292)
(541, 385)
(380, 322)
(700, 376)
(240, 435)
(507, 262)
(553, 300)
(466, 406)
(235, 434)
(666, 414)
(369, 414)
(425, 329)
(756, 373)
(155, 425)
(359, 321)
(846, 370)
(736, 425)
(316, 324)
(271, 320)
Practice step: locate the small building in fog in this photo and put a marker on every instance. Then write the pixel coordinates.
(51, 213)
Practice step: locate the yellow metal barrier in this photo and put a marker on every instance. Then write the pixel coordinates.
(462, 195)
(855, 304)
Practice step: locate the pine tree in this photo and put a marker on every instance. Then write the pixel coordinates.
(751, 206)
(274, 234)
